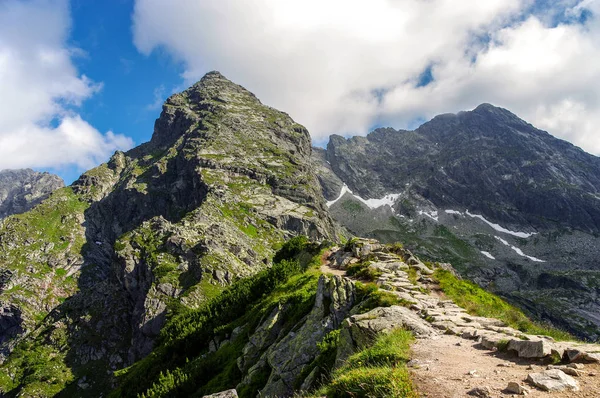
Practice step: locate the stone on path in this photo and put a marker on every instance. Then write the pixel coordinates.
(553, 380)
(516, 388)
(223, 394)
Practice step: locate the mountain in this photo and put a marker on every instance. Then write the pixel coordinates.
(512, 207)
(90, 275)
(207, 260)
(21, 190)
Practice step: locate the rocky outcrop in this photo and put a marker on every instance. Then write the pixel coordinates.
(360, 331)
(288, 356)
(21, 190)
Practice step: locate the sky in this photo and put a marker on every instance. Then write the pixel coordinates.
(80, 79)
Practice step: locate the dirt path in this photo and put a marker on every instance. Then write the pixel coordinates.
(326, 267)
(449, 367)
(460, 353)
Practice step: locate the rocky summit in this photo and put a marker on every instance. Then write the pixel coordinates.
(510, 206)
(90, 275)
(20, 190)
(208, 261)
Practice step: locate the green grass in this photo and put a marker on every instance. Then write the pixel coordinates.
(412, 275)
(370, 296)
(362, 270)
(479, 302)
(376, 371)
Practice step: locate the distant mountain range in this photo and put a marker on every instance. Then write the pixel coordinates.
(509, 205)
(22, 189)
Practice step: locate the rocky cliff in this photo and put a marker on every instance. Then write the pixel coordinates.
(21, 190)
(509, 205)
(91, 274)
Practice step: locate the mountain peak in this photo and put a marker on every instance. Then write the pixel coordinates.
(495, 112)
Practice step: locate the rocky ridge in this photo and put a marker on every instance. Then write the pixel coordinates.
(21, 190)
(513, 208)
(222, 183)
(432, 319)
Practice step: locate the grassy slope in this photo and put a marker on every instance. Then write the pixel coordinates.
(376, 371)
(482, 303)
(183, 366)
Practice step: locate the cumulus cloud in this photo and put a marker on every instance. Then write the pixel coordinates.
(342, 66)
(39, 90)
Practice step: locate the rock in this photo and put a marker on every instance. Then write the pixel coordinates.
(553, 380)
(570, 370)
(223, 394)
(530, 348)
(481, 392)
(361, 330)
(573, 355)
(516, 388)
(592, 356)
(576, 366)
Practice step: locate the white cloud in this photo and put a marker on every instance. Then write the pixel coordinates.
(159, 94)
(39, 88)
(340, 66)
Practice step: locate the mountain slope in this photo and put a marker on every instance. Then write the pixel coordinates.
(20, 190)
(512, 207)
(91, 275)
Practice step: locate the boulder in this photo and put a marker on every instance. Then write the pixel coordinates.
(553, 380)
(530, 348)
(223, 394)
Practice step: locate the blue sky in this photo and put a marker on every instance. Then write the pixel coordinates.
(80, 79)
(134, 85)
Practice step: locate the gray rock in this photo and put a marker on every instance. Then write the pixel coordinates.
(530, 348)
(480, 392)
(516, 388)
(553, 380)
(223, 394)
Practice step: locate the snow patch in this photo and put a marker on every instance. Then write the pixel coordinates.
(453, 212)
(519, 251)
(500, 228)
(342, 193)
(431, 214)
(388, 199)
(488, 255)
